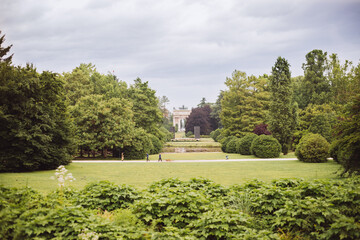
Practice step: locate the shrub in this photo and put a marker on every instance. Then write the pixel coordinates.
(221, 224)
(189, 134)
(231, 145)
(156, 145)
(265, 146)
(313, 148)
(106, 196)
(215, 134)
(225, 141)
(244, 145)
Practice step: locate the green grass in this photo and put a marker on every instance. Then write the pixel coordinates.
(192, 144)
(208, 156)
(140, 175)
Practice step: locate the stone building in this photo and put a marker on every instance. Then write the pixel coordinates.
(179, 117)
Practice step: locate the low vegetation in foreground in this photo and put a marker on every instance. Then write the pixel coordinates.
(194, 209)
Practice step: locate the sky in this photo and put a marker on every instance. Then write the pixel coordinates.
(185, 49)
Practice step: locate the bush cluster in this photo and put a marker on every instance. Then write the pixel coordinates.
(263, 146)
(194, 209)
(266, 146)
(244, 145)
(313, 148)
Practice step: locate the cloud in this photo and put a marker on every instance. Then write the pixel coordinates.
(184, 48)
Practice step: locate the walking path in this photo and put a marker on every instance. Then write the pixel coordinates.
(188, 161)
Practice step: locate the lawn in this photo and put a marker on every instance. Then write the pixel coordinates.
(192, 144)
(141, 174)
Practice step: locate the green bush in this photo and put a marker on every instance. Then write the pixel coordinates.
(225, 141)
(313, 148)
(194, 209)
(266, 146)
(107, 196)
(215, 134)
(231, 145)
(244, 145)
(189, 134)
(156, 145)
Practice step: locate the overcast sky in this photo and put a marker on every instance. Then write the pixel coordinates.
(185, 49)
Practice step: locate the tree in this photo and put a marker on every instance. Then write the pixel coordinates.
(339, 77)
(199, 117)
(147, 115)
(244, 104)
(202, 103)
(216, 109)
(35, 129)
(347, 142)
(315, 85)
(103, 124)
(4, 50)
(282, 119)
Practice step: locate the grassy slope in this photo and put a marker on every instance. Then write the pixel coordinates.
(141, 175)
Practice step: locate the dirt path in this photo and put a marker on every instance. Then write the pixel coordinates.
(187, 161)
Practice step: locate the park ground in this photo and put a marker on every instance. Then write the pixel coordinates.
(142, 174)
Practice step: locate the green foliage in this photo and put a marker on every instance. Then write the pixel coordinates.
(321, 125)
(231, 145)
(225, 141)
(194, 209)
(244, 105)
(244, 144)
(156, 145)
(346, 150)
(308, 217)
(4, 51)
(312, 148)
(265, 146)
(147, 115)
(35, 129)
(107, 196)
(316, 88)
(283, 112)
(189, 133)
(222, 224)
(175, 206)
(215, 134)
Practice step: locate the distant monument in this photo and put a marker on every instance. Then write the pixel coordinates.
(197, 132)
(179, 117)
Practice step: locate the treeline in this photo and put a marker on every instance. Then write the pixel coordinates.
(47, 118)
(324, 101)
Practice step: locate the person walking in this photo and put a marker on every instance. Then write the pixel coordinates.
(122, 156)
(160, 160)
(147, 157)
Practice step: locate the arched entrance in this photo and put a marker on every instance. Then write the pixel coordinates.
(179, 117)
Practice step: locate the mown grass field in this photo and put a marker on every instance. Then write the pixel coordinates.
(140, 175)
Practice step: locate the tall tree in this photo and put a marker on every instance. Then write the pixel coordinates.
(281, 107)
(35, 129)
(339, 77)
(315, 85)
(216, 109)
(244, 104)
(4, 50)
(147, 115)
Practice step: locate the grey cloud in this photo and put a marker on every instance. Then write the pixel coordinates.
(180, 47)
